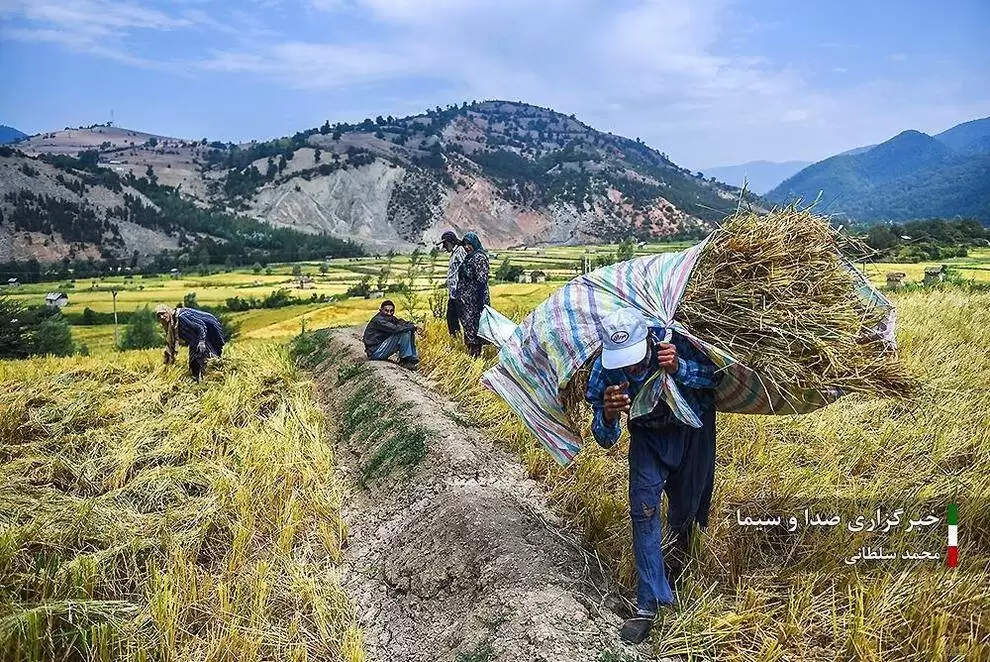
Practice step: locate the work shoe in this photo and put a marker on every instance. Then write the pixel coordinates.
(636, 629)
(409, 364)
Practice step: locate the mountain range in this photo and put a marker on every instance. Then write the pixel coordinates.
(911, 176)
(9, 134)
(515, 173)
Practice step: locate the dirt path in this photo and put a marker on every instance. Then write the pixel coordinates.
(454, 556)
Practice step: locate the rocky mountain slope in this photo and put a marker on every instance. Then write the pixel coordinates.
(911, 176)
(49, 213)
(514, 173)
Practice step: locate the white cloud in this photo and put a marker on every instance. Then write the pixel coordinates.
(671, 72)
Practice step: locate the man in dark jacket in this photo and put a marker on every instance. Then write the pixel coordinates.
(387, 334)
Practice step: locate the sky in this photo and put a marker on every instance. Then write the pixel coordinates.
(709, 82)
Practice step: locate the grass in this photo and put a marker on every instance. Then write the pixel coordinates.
(744, 601)
(369, 417)
(143, 516)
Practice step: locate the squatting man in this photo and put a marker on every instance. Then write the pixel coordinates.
(664, 454)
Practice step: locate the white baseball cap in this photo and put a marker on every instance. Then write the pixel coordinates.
(624, 334)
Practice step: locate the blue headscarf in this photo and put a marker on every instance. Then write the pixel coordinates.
(472, 238)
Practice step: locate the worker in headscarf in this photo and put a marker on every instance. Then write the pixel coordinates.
(472, 291)
(451, 244)
(198, 329)
(665, 455)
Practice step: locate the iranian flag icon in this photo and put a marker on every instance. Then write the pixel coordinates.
(952, 557)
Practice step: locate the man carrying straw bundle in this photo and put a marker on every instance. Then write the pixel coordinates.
(664, 454)
(769, 299)
(198, 329)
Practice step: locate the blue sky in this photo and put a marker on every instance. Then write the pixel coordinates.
(710, 82)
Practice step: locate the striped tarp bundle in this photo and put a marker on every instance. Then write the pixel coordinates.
(562, 333)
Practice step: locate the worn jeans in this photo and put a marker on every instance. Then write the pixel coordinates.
(404, 343)
(680, 461)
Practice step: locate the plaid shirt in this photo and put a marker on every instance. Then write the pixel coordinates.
(695, 372)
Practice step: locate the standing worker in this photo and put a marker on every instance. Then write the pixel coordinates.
(451, 244)
(198, 329)
(664, 454)
(472, 291)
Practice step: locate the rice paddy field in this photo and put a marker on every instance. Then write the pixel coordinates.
(776, 597)
(332, 278)
(146, 517)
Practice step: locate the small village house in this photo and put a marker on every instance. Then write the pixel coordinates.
(13, 282)
(56, 299)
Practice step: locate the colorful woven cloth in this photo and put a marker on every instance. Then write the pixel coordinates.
(563, 332)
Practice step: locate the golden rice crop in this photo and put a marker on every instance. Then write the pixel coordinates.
(768, 597)
(143, 516)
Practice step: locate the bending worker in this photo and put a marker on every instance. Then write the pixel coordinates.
(198, 329)
(665, 455)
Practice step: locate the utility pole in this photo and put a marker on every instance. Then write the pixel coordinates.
(116, 335)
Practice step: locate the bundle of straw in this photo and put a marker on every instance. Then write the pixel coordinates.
(775, 292)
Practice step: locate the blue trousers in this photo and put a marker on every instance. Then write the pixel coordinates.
(404, 343)
(680, 461)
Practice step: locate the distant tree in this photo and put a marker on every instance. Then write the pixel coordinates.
(282, 163)
(52, 336)
(150, 174)
(152, 142)
(272, 169)
(189, 300)
(268, 271)
(84, 350)
(626, 250)
(317, 154)
(142, 330)
(296, 270)
(380, 120)
(325, 129)
(256, 267)
(337, 133)
(324, 268)
(508, 272)
(13, 340)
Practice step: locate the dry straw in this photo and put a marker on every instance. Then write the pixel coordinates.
(775, 292)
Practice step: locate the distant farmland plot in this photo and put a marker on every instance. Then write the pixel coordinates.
(333, 278)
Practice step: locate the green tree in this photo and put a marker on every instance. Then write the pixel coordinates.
(508, 272)
(324, 268)
(256, 268)
(13, 341)
(626, 250)
(52, 336)
(189, 300)
(142, 331)
(296, 270)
